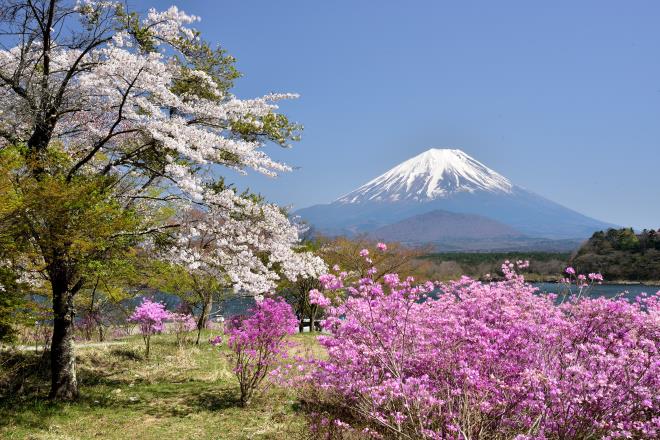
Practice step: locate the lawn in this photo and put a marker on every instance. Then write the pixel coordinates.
(179, 393)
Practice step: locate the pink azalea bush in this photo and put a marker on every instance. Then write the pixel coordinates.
(485, 361)
(150, 317)
(257, 342)
(182, 324)
(576, 285)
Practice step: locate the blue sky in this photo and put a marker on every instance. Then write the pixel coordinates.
(561, 97)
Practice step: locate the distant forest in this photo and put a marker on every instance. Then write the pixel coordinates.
(544, 266)
(621, 254)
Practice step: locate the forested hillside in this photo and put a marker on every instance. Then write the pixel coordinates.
(544, 266)
(621, 254)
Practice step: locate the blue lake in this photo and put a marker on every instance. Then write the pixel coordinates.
(629, 291)
(238, 305)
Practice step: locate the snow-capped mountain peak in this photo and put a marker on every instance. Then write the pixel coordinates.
(435, 173)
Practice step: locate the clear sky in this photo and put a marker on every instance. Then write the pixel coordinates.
(561, 97)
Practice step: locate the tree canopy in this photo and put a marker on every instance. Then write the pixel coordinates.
(114, 127)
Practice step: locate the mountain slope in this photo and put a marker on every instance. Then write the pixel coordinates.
(449, 180)
(441, 225)
(448, 231)
(433, 174)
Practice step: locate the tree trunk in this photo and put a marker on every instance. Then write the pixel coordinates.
(204, 316)
(64, 384)
(312, 319)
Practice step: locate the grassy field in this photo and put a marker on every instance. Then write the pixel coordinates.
(179, 393)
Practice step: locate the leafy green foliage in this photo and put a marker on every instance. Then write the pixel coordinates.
(80, 223)
(12, 300)
(621, 254)
(543, 265)
(275, 127)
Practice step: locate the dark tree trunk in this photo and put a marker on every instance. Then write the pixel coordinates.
(37, 145)
(204, 316)
(64, 384)
(313, 325)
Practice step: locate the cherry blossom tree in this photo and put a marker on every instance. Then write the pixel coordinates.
(241, 243)
(117, 115)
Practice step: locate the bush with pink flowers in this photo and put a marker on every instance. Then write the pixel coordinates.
(150, 317)
(182, 325)
(257, 342)
(485, 361)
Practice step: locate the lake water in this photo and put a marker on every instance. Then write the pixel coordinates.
(629, 291)
(239, 305)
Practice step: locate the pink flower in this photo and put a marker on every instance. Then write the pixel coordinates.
(382, 247)
(391, 279)
(569, 270)
(316, 297)
(498, 351)
(596, 277)
(150, 316)
(364, 252)
(256, 342)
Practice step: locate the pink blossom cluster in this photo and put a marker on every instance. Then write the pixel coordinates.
(216, 340)
(489, 360)
(332, 282)
(150, 316)
(256, 342)
(316, 297)
(184, 322)
(583, 283)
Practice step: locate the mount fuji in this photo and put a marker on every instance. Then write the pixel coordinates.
(449, 181)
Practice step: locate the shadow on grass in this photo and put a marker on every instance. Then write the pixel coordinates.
(127, 353)
(216, 400)
(35, 412)
(108, 388)
(180, 399)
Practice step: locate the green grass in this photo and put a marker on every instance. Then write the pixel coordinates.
(179, 393)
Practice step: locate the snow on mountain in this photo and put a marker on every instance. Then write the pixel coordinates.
(435, 173)
(452, 181)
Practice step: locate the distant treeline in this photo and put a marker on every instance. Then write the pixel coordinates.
(543, 265)
(621, 254)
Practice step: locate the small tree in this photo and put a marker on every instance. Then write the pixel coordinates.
(182, 323)
(150, 316)
(257, 342)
